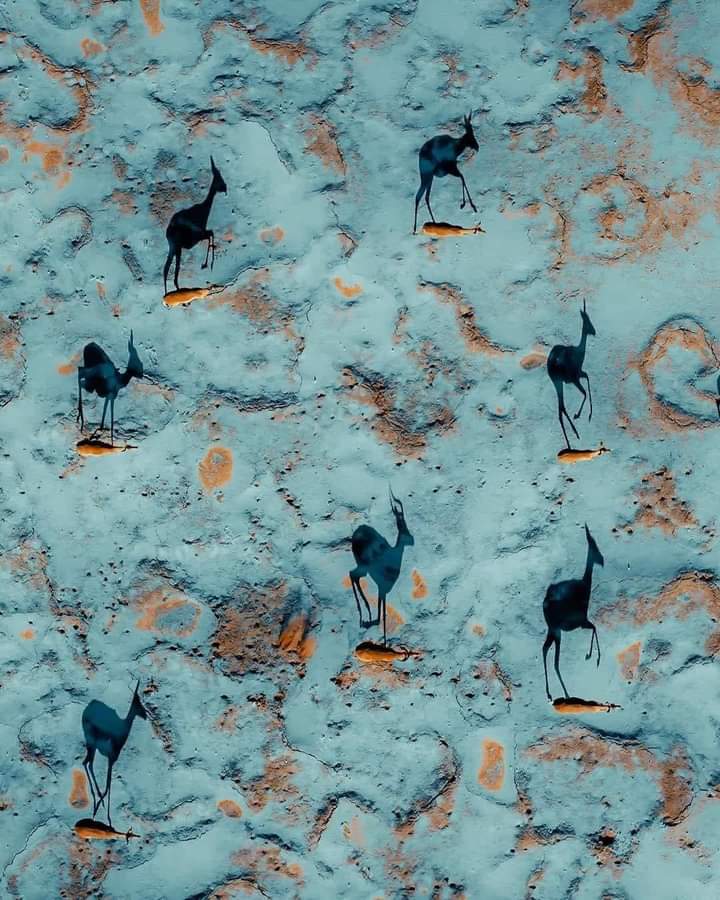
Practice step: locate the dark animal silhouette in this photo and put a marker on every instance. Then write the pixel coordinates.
(189, 226)
(565, 366)
(438, 158)
(565, 608)
(376, 557)
(99, 375)
(717, 399)
(106, 733)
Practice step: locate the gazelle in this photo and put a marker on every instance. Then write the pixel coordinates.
(99, 375)
(106, 733)
(376, 557)
(565, 366)
(189, 226)
(438, 158)
(566, 608)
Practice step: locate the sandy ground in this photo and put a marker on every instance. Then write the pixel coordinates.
(344, 356)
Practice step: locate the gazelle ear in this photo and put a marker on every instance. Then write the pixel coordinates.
(131, 346)
(584, 305)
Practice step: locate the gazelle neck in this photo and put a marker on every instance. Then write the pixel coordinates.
(587, 574)
(461, 144)
(208, 201)
(125, 377)
(583, 342)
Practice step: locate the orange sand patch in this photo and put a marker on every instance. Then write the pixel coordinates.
(689, 593)
(534, 359)
(216, 468)
(151, 14)
(295, 640)
(629, 660)
(9, 339)
(90, 48)
(272, 235)
(227, 720)
(28, 634)
(4, 154)
(475, 339)
(71, 367)
(100, 287)
(154, 605)
(479, 630)
(673, 775)
(321, 141)
(659, 506)
(353, 832)
(230, 808)
(420, 590)
(594, 99)
(125, 201)
(78, 794)
(688, 335)
(491, 774)
(347, 290)
(602, 9)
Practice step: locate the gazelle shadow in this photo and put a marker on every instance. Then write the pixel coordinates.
(566, 608)
(374, 556)
(565, 366)
(189, 226)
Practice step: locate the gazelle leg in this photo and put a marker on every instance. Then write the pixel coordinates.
(355, 577)
(212, 258)
(100, 801)
(557, 663)
(587, 379)
(427, 200)
(593, 637)
(363, 624)
(584, 394)
(208, 235)
(86, 762)
(418, 197)
(466, 191)
(546, 646)
(105, 406)
(383, 601)
(112, 419)
(108, 784)
(178, 253)
(171, 253)
(80, 415)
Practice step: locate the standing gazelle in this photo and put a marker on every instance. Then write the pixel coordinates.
(189, 226)
(565, 366)
(106, 733)
(99, 375)
(438, 158)
(374, 556)
(566, 608)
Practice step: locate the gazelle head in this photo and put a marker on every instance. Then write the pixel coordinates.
(596, 556)
(469, 133)
(134, 365)
(588, 326)
(404, 536)
(218, 181)
(136, 706)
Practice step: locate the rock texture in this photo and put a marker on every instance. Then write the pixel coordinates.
(345, 355)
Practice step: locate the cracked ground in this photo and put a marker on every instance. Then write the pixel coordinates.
(340, 356)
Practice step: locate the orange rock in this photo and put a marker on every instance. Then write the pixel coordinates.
(151, 14)
(347, 290)
(230, 808)
(216, 468)
(78, 794)
(491, 774)
(629, 660)
(28, 634)
(420, 590)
